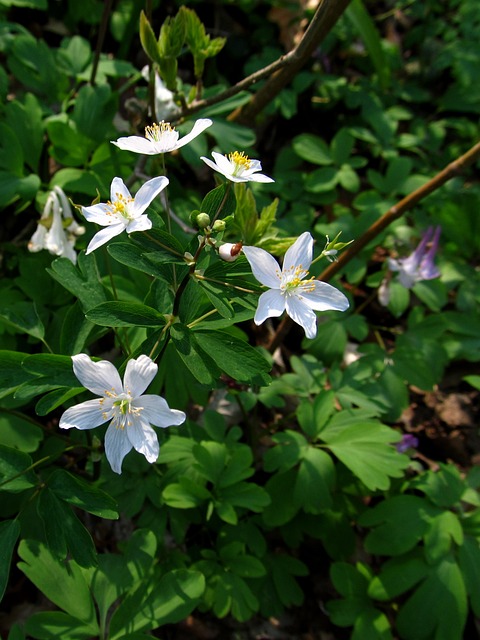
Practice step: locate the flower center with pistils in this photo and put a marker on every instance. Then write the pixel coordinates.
(120, 207)
(240, 160)
(293, 279)
(162, 132)
(122, 411)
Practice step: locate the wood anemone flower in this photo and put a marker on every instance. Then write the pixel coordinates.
(288, 289)
(131, 413)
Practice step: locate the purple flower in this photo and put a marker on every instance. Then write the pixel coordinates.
(418, 266)
(407, 442)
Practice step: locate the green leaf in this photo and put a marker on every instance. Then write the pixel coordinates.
(444, 486)
(397, 576)
(52, 625)
(53, 369)
(25, 119)
(125, 314)
(469, 559)
(366, 449)
(443, 530)
(81, 280)
(14, 476)
(219, 201)
(195, 359)
(312, 148)
(55, 398)
(63, 583)
(20, 433)
(94, 109)
(12, 374)
(83, 495)
(315, 481)
(282, 507)
(148, 39)
(341, 146)
(322, 180)
(400, 523)
(235, 357)
(9, 532)
(366, 29)
(175, 596)
(438, 607)
(24, 317)
(71, 536)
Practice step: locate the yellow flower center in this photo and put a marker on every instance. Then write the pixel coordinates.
(156, 131)
(294, 278)
(120, 206)
(240, 160)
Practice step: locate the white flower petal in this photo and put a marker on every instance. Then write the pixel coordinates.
(100, 378)
(144, 439)
(264, 267)
(117, 445)
(302, 315)
(224, 164)
(143, 223)
(105, 235)
(271, 304)
(97, 213)
(323, 297)
(156, 411)
(300, 254)
(86, 415)
(257, 177)
(147, 193)
(37, 241)
(119, 189)
(210, 163)
(139, 374)
(137, 144)
(198, 127)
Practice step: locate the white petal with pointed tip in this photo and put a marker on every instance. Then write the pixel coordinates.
(117, 445)
(86, 415)
(264, 267)
(104, 235)
(139, 374)
(98, 377)
(271, 304)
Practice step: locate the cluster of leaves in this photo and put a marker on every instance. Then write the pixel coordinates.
(219, 523)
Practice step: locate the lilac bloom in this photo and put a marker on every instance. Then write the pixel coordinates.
(419, 265)
(407, 442)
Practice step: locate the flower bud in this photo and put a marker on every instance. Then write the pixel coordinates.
(230, 252)
(219, 225)
(202, 220)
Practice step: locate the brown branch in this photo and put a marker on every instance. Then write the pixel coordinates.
(107, 9)
(451, 170)
(320, 25)
(326, 15)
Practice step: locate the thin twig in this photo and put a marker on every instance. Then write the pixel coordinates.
(107, 8)
(450, 171)
(326, 15)
(320, 25)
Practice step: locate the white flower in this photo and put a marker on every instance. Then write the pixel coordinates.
(160, 138)
(57, 229)
(287, 288)
(230, 252)
(165, 107)
(237, 167)
(122, 212)
(130, 412)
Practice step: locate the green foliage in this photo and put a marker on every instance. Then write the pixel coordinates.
(282, 454)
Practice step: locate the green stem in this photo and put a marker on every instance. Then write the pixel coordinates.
(107, 8)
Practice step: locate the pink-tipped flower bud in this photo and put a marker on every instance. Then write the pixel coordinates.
(230, 252)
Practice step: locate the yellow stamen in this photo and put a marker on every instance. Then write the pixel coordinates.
(240, 159)
(156, 131)
(120, 206)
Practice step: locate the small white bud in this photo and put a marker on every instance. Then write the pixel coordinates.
(230, 252)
